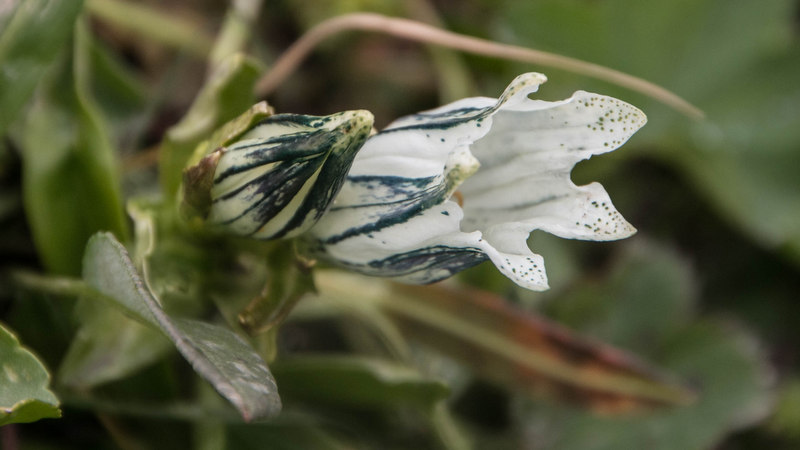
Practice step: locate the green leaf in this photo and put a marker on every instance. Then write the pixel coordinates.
(226, 94)
(786, 419)
(744, 157)
(24, 396)
(153, 24)
(123, 99)
(70, 182)
(220, 356)
(358, 382)
(646, 298)
(108, 346)
(33, 33)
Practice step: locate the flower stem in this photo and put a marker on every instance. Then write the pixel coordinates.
(416, 31)
(56, 285)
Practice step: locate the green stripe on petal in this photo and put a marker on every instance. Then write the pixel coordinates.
(510, 158)
(430, 247)
(425, 248)
(280, 176)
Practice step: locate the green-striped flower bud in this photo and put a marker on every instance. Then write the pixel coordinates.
(279, 177)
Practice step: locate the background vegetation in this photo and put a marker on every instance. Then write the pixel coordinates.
(707, 291)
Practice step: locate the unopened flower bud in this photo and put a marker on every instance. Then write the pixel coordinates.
(277, 178)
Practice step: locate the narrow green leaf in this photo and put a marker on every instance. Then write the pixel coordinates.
(24, 395)
(30, 38)
(123, 99)
(360, 382)
(216, 353)
(236, 30)
(71, 189)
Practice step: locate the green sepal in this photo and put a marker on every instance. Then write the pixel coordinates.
(289, 279)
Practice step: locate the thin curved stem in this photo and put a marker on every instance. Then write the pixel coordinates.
(416, 31)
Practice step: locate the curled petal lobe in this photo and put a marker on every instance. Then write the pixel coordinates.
(509, 158)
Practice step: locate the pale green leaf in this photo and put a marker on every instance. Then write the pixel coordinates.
(70, 183)
(32, 32)
(24, 392)
(125, 101)
(108, 346)
(216, 353)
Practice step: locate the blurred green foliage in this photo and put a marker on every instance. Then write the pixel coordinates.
(24, 396)
(706, 291)
(736, 61)
(66, 142)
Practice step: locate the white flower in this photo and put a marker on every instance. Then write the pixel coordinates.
(510, 160)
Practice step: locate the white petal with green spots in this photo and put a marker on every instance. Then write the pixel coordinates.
(508, 158)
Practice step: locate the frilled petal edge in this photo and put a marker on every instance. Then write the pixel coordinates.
(510, 160)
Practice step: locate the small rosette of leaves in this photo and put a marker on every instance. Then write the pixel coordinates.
(278, 177)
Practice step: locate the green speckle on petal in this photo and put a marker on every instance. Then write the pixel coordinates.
(509, 159)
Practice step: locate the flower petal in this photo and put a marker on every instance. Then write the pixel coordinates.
(403, 171)
(526, 159)
(507, 247)
(422, 249)
(394, 218)
(430, 247)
